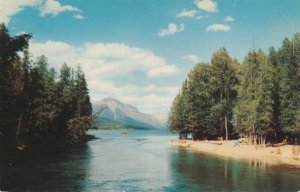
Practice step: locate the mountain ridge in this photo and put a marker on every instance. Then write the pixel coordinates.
(112, 109)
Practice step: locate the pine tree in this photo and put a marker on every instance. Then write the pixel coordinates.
(274, 60)
(179, 114)
(223, 81)
(201, 102)
(289, 59)
(246, 105)
(255, 104)
(11, 85)
(84, 106)
(264, 96)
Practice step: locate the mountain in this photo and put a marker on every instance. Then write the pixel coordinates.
(112, 111)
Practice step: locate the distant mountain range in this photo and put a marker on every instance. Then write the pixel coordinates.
(113, 112)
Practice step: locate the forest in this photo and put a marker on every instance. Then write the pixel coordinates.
(39, 107)
(258, 99)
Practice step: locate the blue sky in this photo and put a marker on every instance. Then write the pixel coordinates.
(140, 51)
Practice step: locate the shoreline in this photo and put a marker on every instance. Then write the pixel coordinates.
(286, 155)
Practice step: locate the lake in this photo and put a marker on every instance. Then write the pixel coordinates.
(140, 161)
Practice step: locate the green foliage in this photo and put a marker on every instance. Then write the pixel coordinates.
(13, 79)
(76, 128)
(289, 86)
(260, 97)
(35, 108)
(205, 103)
(223, 81)
(255, 101)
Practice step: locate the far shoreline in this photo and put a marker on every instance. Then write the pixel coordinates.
(283, 155)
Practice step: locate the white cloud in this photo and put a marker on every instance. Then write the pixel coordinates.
(105, 60)
(218, 27)
(163, 70)
(229, 19)
(103, 63)
(192, 58)
(161, 97)
(207, 5)
(78, 16)
(200, 17)
(8, 8)
(172, 29)
(187, 13)
(53, 7)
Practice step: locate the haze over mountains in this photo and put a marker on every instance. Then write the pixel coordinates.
(112, 111)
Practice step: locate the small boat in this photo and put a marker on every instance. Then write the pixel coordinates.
(123, 133)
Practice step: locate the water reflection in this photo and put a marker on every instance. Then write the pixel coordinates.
(63, 170)
(135, 162)
(139, 161)
(211, 173)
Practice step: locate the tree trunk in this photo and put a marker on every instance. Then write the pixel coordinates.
(19, 125)
(226, 127)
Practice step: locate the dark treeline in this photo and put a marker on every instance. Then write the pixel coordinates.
(37, 106)
(258, 99)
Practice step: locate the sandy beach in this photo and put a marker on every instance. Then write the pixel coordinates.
(287, 154)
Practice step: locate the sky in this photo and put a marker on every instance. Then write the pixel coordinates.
(140, 51)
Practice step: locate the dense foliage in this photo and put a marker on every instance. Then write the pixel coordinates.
(259, 98)
(38, 107)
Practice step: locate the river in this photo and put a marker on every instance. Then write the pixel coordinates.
(141, 161)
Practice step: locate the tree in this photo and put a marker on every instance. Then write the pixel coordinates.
(223, 81)
(35, 109)
(255, 104)
(84, 106)
(264, 95)
(178, 116)
(11, 84)
(274, 60)
(201, 102)
(289, 61)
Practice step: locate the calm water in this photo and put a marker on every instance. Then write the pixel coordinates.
(140, 161)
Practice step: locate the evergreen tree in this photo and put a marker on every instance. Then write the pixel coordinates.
(289, 59)
(201, 101)
(84, 106)
(11, 85)
(264, 96)
(255, 104)
(223, 81)
(35, 109)
(274, 60)
(178, 115)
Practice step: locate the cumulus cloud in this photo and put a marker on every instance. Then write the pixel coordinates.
(207, 5)
(229, 19)
(218, 27)
(191, 58)
(172, 29)
(149, 99)
(9, 8)
(187, 13)
(52, 7)
(78, 16)
(103, 63)
(105, 60)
